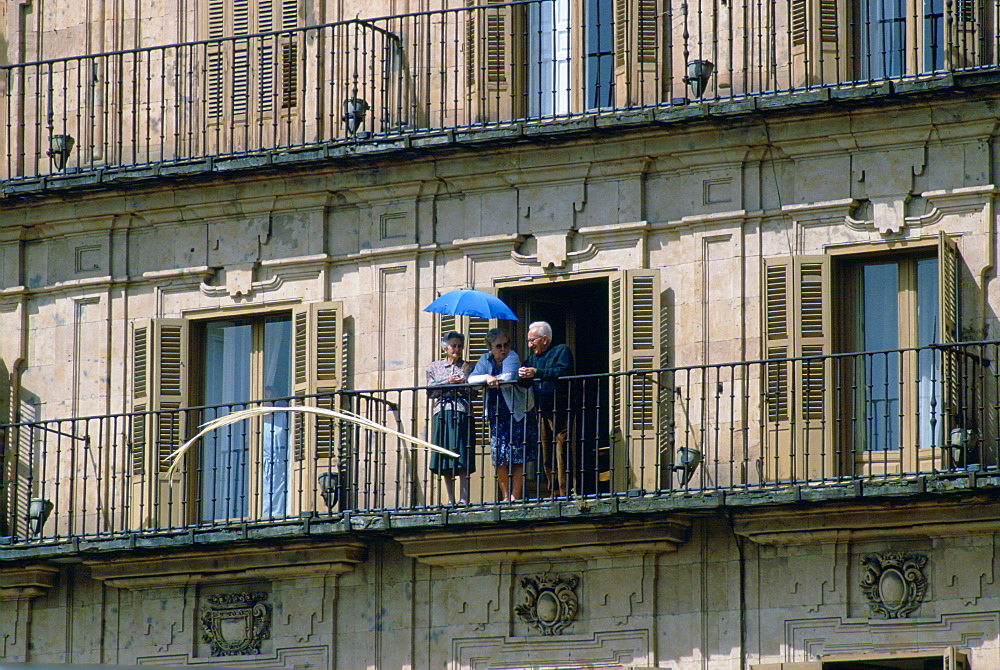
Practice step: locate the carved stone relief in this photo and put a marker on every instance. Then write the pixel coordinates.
(235, 624)
(894, 583)
(550, 602)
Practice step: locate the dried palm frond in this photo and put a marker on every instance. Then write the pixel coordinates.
(236, 417)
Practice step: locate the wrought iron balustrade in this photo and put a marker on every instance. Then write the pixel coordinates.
(286, 93)
(743, 426)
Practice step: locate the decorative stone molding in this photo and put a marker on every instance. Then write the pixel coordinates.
(235, 624)
(863, 523)
(552, 251)
(227, 564)
(560, 542)
(239, 281)
(25, 583)
(550, 602)
(894, 583)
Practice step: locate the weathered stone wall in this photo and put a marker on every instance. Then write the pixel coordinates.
(703, 206)
(774, 587)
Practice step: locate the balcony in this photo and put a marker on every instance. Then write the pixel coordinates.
(500, 70)
(905, 422)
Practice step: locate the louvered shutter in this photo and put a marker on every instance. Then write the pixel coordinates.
(963, 20)
(797, 393)
(215, 55)
(318, 371)
(963, 401)
(641, 45)
(493, 44)
(160, 374)
(254, 78)
(637, 401)
(816, 28)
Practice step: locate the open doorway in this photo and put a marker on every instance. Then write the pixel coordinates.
(577, 310)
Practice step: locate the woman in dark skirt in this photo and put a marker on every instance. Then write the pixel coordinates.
(453, 424)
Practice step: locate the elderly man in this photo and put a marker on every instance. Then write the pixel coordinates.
(545, 365)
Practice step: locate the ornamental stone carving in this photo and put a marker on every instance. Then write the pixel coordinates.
(236, 623)
(894, 583)
(550, 603)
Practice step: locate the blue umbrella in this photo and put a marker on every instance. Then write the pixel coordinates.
(471, 302)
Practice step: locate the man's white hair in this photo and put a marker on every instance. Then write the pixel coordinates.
(543, 328)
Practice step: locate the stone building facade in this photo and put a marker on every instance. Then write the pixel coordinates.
(777, 280)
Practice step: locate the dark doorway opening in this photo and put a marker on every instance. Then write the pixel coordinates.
(577, 310)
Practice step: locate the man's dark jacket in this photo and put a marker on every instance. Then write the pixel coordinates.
(556, 362)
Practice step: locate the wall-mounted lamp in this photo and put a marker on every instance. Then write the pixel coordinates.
(355, 109)
(38, 513)
(698, 74)
(688, 461)
(329, 488)
(964, 448)
(60, 147)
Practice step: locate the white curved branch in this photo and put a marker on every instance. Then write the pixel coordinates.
(236, 417)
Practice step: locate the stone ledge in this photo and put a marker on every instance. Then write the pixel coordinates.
(563, 541)
(404, 142)
(26, 582)
(971, 490)
(250, 562)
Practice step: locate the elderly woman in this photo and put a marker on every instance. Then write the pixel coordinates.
(454, 427)
(513, 428)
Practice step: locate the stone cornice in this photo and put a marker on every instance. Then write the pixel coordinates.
(565, 541)
(24, 583)
(180, 569)
(917, 519)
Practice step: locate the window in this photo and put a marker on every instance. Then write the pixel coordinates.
(548, 58)
(896, 308)
(255, 468)
(899, 37)
(245, 360)
(562, 56)
(890, 403)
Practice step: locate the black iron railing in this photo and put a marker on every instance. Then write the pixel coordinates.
(283, 92)
(751, 425)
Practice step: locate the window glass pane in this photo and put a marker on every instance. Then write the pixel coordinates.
(224, 451)
(548, 58)
(880, 327)
(600, 45)
(882, 29)
(933, 35)
(275, 465)
(251, 451)
(929, 385)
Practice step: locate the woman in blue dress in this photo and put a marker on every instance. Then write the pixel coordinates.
(513, 425)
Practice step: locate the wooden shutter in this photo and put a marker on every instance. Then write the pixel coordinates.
(962, 21)
(160, 372)
(493, 46)
(797, 393)
(815, 30)
(637, 400)
(962, 394)
(641, 45)
(253, 78)
(318, 370)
